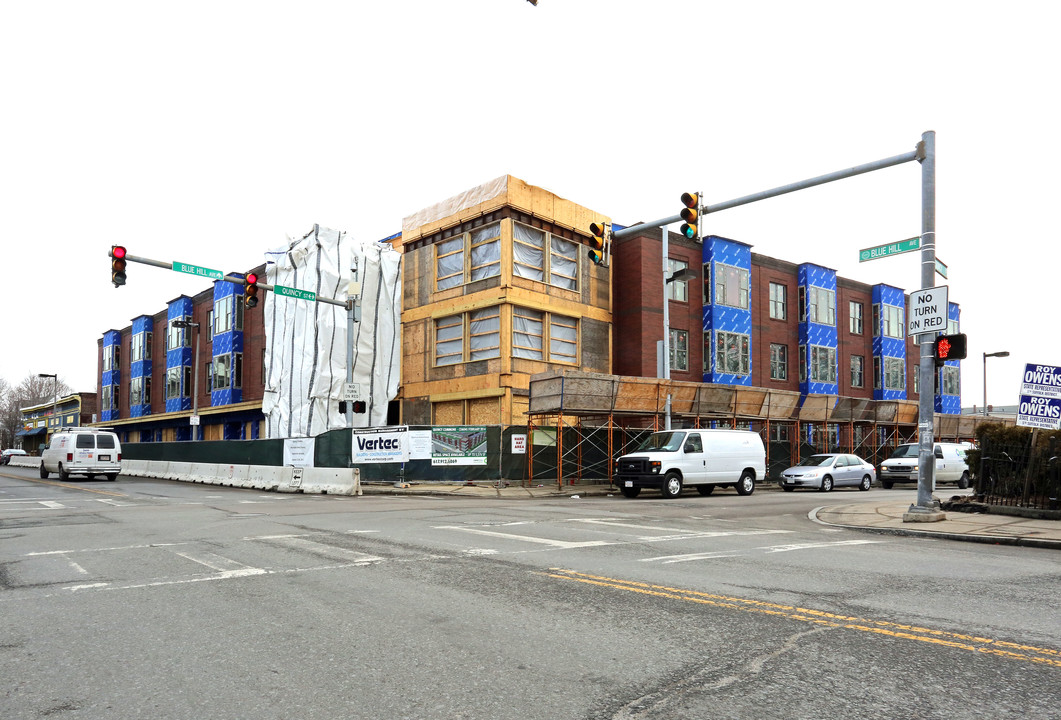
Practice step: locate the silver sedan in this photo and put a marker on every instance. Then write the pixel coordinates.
(828, 470)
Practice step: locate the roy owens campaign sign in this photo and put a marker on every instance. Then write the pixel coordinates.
(1040, 397)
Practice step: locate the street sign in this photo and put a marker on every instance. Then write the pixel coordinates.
(928, 311)
(1040, 397)
(351, 391)
(895, 248)
(294, 293)
(196, 270)
(941, 268)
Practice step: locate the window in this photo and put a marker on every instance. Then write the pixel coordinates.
(481, 247)
(778, 362)
(558, 267)
(237, 370)
(858, 371)
(107, 399)
(817, 305)
(563, 339)
(779, 432)
(527, 333)
(210, 322)
(175, 388)
(140, 347)
(449, 340)
(528, 340)
(731, 286)
(732, 352)
(889, 373)
(952, 327)
(677, 289)
(485, 333)
(222, 372)
(136, 391)
(209, 377)
(679, 349)
(950, 381)
(855, 317)
(223, 315)
(482, 336)
(822, 364)
(778, 301)
(108, 357)
(888, 321)
(177, 336)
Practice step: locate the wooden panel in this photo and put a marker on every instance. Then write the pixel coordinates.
(484, 411)
(448, 413)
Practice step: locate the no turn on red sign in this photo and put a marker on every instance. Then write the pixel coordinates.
(927, 312)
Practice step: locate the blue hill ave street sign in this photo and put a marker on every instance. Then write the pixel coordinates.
(1040, 397)
(894, 248)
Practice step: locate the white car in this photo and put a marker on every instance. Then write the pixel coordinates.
(828, 470)
(5, 456)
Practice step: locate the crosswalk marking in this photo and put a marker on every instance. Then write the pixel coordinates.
(565, 544)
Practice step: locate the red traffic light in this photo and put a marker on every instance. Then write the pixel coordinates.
(118, 263)
(250, 290)
(359, 406)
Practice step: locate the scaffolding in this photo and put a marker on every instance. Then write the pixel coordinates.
(579, 422)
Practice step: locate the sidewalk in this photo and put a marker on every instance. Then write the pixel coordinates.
(870, 517)
(972, 527)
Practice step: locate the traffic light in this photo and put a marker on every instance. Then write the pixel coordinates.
(118, 265)
(250, 290)
(599, 244)
(691, 215)
(359, 407)
(949, 347)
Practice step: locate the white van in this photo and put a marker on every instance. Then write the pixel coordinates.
(705, 459)
(901, 467)
(84, 451)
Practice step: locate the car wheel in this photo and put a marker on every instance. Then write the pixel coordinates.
(112, 476)
(963, 481)
(705, 489)
(746, 484)
(866, 483)
(90, 477)
(630, 492)
(827, 484)
(786, 488)
(44, 473)
(886, 484)
(672, 485)
(63, 474)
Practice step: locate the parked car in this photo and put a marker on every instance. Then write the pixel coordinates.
(5, 456)
(828, 470)
(704, 459)
(902, 466)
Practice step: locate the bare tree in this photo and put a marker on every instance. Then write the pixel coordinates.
(33, 390)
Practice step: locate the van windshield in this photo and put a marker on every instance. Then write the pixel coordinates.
(669, 441)
(905, 451)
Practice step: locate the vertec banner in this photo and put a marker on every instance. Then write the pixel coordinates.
(383, 445)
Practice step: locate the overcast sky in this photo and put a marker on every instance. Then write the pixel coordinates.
(210, 132)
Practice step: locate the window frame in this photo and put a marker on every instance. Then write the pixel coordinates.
(722, 285)
(855, 319)
(678, 349)
(466, 245)
(743, 351)
(677, 290)
(815, 364)
(778, 361)
(858, 381)
(778, 301)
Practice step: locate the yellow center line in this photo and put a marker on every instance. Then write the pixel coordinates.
(960, 641)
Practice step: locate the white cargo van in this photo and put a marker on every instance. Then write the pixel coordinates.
(901, 467)
(84, 451)
(704, 459)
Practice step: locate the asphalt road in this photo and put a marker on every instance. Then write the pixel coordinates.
(145, 598)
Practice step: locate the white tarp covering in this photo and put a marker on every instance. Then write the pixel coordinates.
(306, 341)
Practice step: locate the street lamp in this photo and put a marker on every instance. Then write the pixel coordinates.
(194, 420)
(55, 397)
(1003, 353)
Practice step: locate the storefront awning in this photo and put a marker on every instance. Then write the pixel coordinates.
(31, 433)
